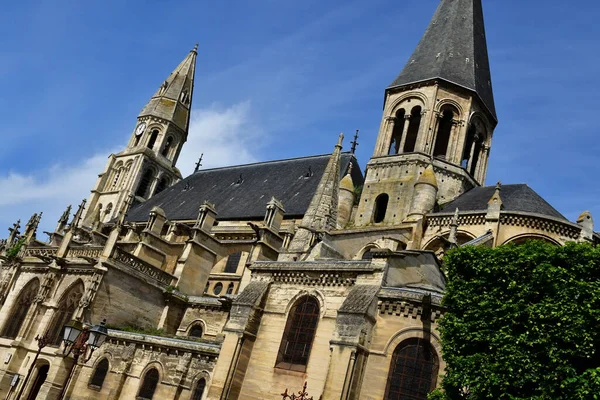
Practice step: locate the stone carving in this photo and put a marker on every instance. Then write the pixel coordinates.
(143, 267)
(45, 287)
(90, 293)
(91, 252)
(44, 252)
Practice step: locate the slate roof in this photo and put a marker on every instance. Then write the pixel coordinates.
(519, 197)
(359, 299)
(287, 180)
(454, 49)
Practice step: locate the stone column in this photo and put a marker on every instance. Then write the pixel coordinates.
(387, 137)
(422, 136)
(428, 148)
(404, 133)
(472, 151)
(453, 142)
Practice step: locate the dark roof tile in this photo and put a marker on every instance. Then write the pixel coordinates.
(243, 191)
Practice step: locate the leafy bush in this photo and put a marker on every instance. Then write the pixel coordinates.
(523, 322)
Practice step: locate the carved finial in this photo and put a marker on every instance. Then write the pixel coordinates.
(78, 215)
(64, 218)
(199, 163)
(195, 49)
(14, 233)
(455, 218)
(340, 140)
(124, 209)
(354, 143)
(499, 185)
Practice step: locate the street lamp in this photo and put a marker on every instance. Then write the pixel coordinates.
(77, 339)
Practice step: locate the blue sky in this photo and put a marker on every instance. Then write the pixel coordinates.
(278, 79)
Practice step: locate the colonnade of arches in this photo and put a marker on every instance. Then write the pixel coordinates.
(407, 132)
(150, 137)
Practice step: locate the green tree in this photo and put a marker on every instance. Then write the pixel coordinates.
(522, 322)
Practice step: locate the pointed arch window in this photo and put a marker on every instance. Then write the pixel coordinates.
(381, 204)
(64, 313)
(232, 262)
(442, 139)
(149, 384)
(99, 375)
(162, 185)
(153, 137)
(299, 334)
(168, 145)
(199, 391)
(413, 371)
(20, 309)
(230, 288)
(397, 132)
(145, 183)
(196, 331)
(413, 130)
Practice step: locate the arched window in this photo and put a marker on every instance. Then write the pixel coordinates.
(21, 309)
(99, 375)
(413, 130)
(118, 173)
(443, 134)
(299, 334)
(367, 255)
(168, 145)
(144, 183)
(218, 288)
(149, 384)
(230, 288)
(199, 391)
(397, 132)
(473, 146)
(136, 140)
(196, 331)
(40, 378)
(162, 185)
(381, 203)
(64, 313)
(153, 137)
(413, 371)
(232, 262)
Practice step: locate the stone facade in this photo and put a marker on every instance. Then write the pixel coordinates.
(331, 287)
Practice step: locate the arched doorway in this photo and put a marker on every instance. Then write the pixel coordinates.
(40, 377)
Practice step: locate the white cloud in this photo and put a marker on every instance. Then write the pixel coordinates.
(226, 136)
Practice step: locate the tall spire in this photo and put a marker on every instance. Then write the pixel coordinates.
(453, 49)
(173, 100)
(322, 212)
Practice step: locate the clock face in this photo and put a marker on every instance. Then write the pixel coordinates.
(140, 129)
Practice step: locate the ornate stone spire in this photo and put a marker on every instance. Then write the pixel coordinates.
(173, 100)
(452, 236)
(77, 217)
(63, 220)
(14, 234)
(322, 211)
(453, 49)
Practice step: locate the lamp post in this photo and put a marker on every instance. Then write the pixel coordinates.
(77, 339)
(41, 342)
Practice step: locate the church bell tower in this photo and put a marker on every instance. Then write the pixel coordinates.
(439, 115)
(147, 165)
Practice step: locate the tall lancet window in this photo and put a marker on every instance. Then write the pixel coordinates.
(299, 334)
(64, 313)
(397, 132)
(413, 371)
(442, 139)
(21, 309)
(144, 183)
(413, 130)
(168, 145)
(152, 140)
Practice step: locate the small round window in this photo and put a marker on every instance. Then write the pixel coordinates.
(218, 288)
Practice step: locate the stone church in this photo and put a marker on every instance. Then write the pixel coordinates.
(246, 281)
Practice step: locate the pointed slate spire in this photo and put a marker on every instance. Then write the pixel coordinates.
(453, 49)
(173, 100)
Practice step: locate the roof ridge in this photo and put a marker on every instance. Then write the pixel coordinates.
(265, 162)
